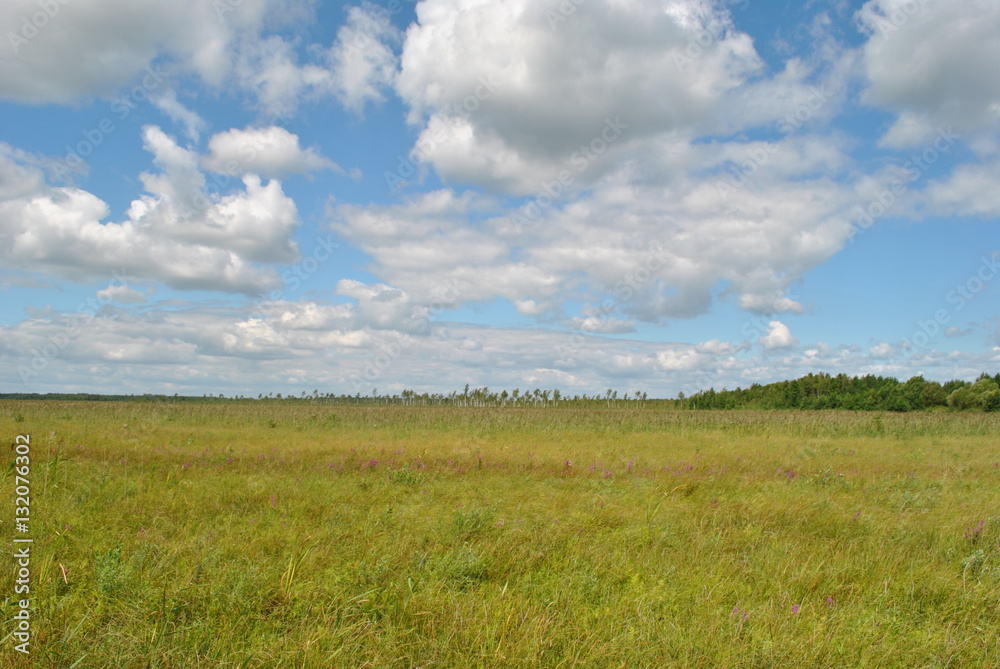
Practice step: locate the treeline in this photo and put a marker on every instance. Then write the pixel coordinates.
(813, 391)
(861, 393)
(469, 397)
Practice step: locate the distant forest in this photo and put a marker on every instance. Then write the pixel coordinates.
(813, 391)
(861, 393)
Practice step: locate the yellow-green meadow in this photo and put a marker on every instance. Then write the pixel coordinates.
(292, 534)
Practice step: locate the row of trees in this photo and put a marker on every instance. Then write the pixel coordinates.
(864, 393)
(813, 391)
(469, 397)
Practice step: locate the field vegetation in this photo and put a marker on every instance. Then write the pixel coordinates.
(293, 534)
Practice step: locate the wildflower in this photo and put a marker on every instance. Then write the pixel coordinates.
(829, 602)
(795, 608)
(972, 533)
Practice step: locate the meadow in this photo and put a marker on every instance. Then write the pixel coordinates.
(249, 534)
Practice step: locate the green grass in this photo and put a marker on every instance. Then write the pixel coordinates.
(243, 535)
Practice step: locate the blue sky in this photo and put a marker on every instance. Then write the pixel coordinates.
(258, 196)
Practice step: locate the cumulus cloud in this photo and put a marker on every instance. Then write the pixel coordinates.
(362, 62)
(174, 232)
(933, 63)
(269, 68)
(270, 152)
(654, 251)
(506, 100)
(122, 294)
(602, 325)
(623, 203)
(97, 48)
(778, 336)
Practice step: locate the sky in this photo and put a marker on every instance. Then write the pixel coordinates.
(662, 196)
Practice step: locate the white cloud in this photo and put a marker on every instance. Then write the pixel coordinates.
(98, 48)
(294, 346)
(193, 124)
(173, 233)
(778, 337)
(934, 63)
(716, 347)
(507, 100)
(678, 360)
(122, 294)
(602, 325)
(883, 350)
(271, 152)
(655, 248)
(269, 68)
(644, 88)
(257, 223)
(95, 48)
(529, 307)
(910, 130)
(971, 190)
(362, 62)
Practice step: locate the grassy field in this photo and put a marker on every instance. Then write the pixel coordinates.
(294, 535)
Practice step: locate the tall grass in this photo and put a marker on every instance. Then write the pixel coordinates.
(237, 535)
